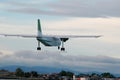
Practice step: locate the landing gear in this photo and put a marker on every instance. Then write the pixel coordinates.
(38, 48)
(62, 48)
(63, 40)
(58, 47)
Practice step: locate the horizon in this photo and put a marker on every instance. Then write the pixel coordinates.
(50, 70)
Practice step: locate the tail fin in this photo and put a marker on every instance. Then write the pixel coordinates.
(39, 28)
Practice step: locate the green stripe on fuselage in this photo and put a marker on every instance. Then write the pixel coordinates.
(44, 41)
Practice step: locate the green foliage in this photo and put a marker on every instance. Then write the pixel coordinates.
(27, 74)
(34, 74)
(66, 73)
(70, 74)
(19, 72)
(97, 76)
(63, 73)
(107, 75)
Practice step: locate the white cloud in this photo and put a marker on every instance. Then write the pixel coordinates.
(76, 8)
(55, 59)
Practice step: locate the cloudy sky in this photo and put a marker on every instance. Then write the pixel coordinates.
(70, 17)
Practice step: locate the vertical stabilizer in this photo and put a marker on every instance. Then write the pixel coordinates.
(39, 28)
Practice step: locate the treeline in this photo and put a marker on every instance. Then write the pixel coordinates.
(102, 75)
(20, 73)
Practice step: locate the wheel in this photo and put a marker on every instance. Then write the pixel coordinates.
(58, 47)
(38, 48)
(62, 49)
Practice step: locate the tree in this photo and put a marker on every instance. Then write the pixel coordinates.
(34, 74)
(95, 76)
(27, 74)
(70, 74)
(107, 75)
(19, 72)
(66, 73)
(63, 73)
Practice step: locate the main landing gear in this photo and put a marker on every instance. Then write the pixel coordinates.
(62, 44)
(62, 48)
(62, 41)
(58, 47)
(38, 48)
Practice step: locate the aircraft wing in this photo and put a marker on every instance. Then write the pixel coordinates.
(19, 35)
(58, 36)
(74, 36)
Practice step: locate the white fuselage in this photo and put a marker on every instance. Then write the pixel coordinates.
(49, 41)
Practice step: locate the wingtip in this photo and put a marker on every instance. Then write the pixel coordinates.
(99, 36)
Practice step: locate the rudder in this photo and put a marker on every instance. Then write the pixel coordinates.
(39, 28)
